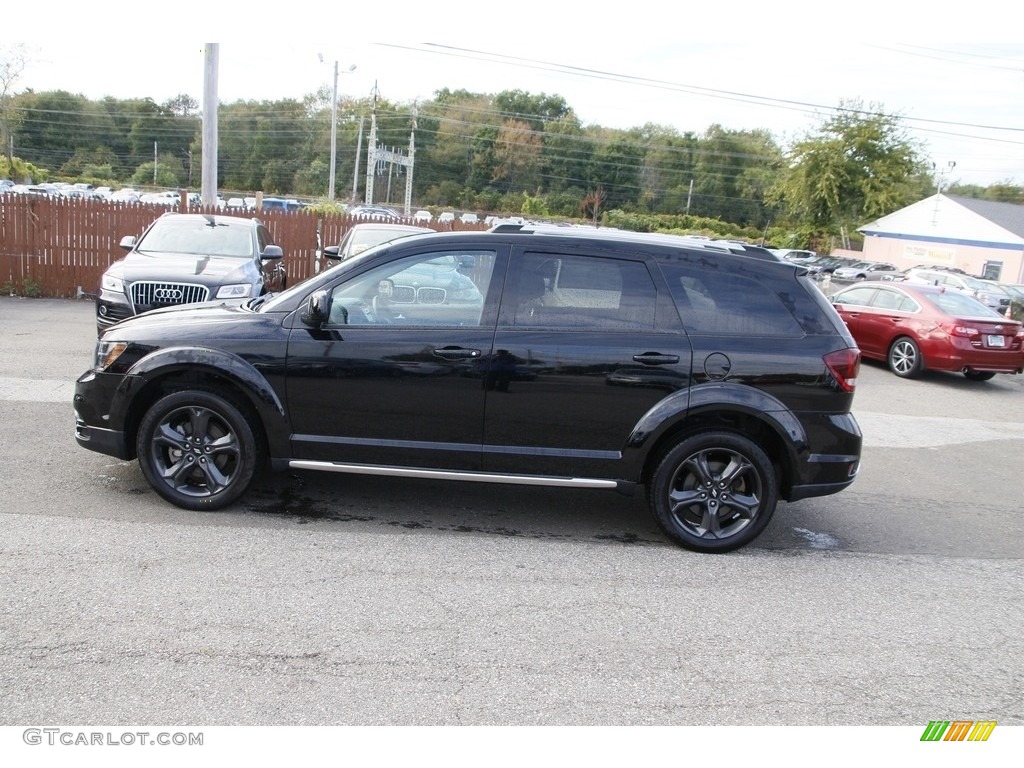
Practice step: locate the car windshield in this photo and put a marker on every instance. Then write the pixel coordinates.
(206, 237)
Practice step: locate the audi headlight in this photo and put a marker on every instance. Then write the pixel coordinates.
(111, 283)
(238, 291)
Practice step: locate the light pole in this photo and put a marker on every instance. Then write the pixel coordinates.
(334, 130)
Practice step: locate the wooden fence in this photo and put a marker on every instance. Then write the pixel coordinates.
(60, 247)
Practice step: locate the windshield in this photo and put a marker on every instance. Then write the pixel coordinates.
(205, 237)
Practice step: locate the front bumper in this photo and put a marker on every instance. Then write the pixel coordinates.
(95, 428)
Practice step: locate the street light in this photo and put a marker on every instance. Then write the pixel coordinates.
(334, 129)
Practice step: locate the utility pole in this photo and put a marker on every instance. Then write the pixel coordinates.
(355, 169)
(209, 169)
(334, 133)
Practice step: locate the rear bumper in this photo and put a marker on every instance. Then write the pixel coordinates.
(835, 464)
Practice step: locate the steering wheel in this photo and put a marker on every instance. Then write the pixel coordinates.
(367, 311)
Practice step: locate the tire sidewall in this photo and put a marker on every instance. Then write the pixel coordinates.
(659, 488)
(226, 410)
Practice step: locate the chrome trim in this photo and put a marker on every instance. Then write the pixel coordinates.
(452, 474)
(149, 292)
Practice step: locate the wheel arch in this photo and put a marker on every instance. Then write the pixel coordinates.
(726, 407)
(178, 369)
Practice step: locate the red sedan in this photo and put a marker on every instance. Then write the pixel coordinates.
(913, 327)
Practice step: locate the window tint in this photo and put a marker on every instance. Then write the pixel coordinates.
(961, 305)
(885, 299)
(580, 292)
(716, 301)
(856, 297)
(435, 288)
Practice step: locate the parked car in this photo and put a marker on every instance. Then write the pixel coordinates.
(544, 356)
(915, 327)
(362, 236)
(972, 286)
(795, 255)
(185, 258)
(469, 218)
(125, 195)
(424, 216)
(375, 212)
(865, 270)
(826, 265)
(446, 217)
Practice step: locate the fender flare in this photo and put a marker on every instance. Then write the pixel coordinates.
(720, 396)
(226, 365)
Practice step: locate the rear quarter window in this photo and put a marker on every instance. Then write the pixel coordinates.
(738, 302)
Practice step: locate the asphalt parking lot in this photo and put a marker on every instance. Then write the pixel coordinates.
(328, 600)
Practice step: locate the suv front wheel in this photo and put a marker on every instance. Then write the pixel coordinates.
(713, 492)
(197, 450)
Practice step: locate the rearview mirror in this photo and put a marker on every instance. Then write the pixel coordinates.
(272, 252)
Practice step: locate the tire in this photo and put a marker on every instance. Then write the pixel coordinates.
(905, 358)
(197, 450)
(713, 492)
(979, 375)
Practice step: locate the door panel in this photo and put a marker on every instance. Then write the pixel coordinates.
(582, 362)
(389, 379)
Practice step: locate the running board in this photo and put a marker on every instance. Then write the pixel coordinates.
(452, 474)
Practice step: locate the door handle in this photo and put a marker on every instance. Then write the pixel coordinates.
(456, 353)
(654, 358)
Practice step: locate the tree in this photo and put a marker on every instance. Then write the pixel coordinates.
(859, 165)
(517, 156)
(12, 64)
(616, 167)
(535, 110)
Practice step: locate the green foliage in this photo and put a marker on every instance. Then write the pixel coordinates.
(534, 207)
(499, 153)
(859, 165)
(28, 287)
(169, 173)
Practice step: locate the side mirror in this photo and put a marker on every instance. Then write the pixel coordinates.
(314, 314)
(272, 252)
(128, 242)
(331, 252)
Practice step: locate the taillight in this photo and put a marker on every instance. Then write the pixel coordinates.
(844, 365)
(963, 330)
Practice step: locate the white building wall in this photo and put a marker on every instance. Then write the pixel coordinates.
(970, 258)
(938, 231)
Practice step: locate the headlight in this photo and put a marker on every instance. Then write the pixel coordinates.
(239, 291)
(107, 353)
(111, 283)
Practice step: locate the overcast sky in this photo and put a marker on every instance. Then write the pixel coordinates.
(960, 90)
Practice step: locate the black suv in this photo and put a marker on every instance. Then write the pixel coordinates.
(184, 258)
(560, 357)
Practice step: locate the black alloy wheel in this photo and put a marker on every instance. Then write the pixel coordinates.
(197, 450)
(714, 492)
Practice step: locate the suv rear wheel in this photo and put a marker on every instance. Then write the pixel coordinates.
(197, 450)
(713, 492)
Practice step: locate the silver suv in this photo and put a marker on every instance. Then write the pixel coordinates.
(972, 286)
